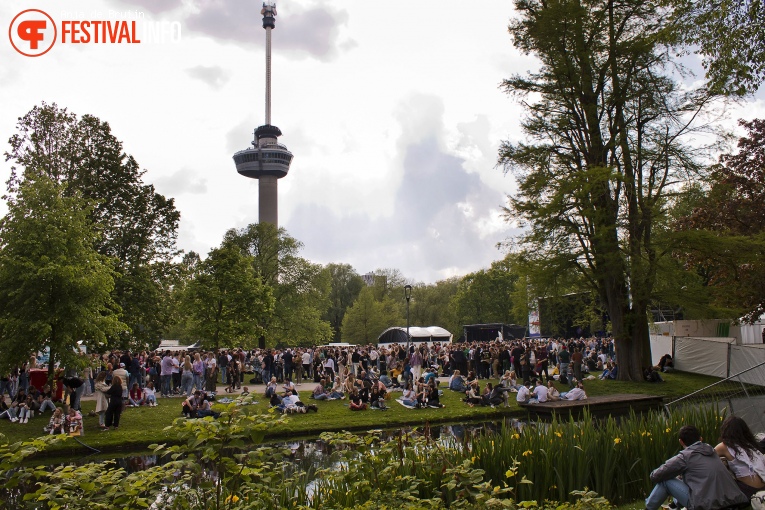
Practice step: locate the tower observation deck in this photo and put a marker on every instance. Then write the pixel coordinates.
(267, 160)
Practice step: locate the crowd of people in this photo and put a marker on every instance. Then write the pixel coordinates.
(364, 375)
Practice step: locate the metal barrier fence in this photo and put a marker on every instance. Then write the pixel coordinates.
(742, 394)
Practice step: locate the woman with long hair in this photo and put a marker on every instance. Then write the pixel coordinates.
(187, 376)
(102, 400)
(739, 447)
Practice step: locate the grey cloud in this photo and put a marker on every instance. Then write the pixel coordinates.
(214, 76)
(181, 182)
(155, 6)
(427, 232)
(311, 32)
(241, 136)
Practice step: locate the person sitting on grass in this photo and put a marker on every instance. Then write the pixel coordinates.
(377, 399)
(695, 478)
(472, 396)
(387, 381)
(56, 423)
(271, 387)
(289, 386)
(149, 397)
(135, 397)
(553, 395)
(457, 382)
(6, 411)
(740, 449)
(509, 380)
(320, 392)
(338, 391)
(45, 399)
(197, 406)
(495, 396)
(409, 397)
(433, 396)
(610, 371)
(575, 393)
(74, 422)
(524, 393)
(357, 403)
(291, 404)
(430, 375)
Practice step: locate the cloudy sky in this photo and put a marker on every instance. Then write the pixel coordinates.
(392, 110)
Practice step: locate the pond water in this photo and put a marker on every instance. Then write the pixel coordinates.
(313, 452)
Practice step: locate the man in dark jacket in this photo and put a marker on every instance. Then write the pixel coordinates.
(705, 483)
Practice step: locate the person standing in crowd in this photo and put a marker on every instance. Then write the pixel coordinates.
(695, 477)
(564, 358)
(166, 373)
(114, 410)
(102, 398)
(198, 368)
(187, 376)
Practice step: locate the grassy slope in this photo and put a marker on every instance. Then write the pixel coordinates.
(142, 426)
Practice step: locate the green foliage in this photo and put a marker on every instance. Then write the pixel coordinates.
(346, 284)
(55, 288)
(722, 233)
(367, 318)
(220, 464)
(300, 288)
(225, 301)
(137, 226)
(487, 295)
(430, 305)
(728, 36)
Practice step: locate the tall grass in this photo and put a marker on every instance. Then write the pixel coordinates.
(612, 457)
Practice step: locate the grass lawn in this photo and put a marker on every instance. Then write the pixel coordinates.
(142, 426)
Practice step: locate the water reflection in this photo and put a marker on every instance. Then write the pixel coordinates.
(314, 453)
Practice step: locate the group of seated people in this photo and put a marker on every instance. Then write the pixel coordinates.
(290, 403)
(138, 396)
(529, 392)
(69, 423)
(536, 392)
(423, 393)
(198, 406)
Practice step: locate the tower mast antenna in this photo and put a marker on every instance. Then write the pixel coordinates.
(267, 160)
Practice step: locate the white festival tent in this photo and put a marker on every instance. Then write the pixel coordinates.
(397, 334)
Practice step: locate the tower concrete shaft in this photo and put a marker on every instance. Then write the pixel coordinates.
(268, 200)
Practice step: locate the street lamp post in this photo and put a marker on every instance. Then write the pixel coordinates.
(408, 296)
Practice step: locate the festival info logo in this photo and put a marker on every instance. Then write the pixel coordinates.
(32, 33)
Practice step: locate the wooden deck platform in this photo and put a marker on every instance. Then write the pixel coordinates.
(598, 406)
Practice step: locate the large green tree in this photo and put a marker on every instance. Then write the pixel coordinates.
(430, 304)
(137, 225)
(604, 148)
(486, 296)
(226, 301)
(722, 239)
(368, 317)
(55, 288)
(300, 288)
(346, 284)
